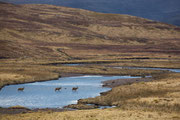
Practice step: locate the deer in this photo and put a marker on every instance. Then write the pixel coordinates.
(20, 89)
(58, 89)
(74, 88)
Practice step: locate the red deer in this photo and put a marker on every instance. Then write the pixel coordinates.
(20, 89)
(58, 89)
(74, 88)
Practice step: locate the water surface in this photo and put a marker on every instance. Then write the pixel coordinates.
(43, 94)
(146, 68)
(73, 64)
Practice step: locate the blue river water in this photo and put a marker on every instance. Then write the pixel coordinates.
(146, 68)
(43, 94)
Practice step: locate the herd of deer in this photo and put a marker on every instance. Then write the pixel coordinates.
(56, 89)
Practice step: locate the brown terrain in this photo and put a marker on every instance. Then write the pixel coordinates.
(46, 31)
(37, 40)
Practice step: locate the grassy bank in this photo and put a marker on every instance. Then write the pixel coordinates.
(24, 71)
(158, 99)
(159, 95)
(35, 40)
(107, 114)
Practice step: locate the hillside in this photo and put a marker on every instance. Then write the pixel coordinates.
(160, 10)
(41, 42)
(53, 32)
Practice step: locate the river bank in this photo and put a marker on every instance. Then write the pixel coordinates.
(158, 100)
(18, 72)
(111, 83)
(157, 90)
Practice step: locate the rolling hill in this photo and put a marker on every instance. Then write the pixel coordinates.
(160, 10)
(53, 32)
(36, 39)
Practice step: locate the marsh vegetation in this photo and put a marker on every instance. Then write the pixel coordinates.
(159, 96)
(35, 45)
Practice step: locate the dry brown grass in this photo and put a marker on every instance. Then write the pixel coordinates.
(166, 63)
(36, 35)
(46, 31)
(153, 100)
(11, 73)
(106, 114)
(23, 71)
(161, 95)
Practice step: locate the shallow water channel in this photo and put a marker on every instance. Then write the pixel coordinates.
(43, 94)
(146, 68)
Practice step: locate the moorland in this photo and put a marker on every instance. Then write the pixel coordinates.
(36, 40)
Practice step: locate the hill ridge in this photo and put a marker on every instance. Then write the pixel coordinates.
(40, 31)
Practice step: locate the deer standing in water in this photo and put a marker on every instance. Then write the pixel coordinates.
(20, 89)
(74, 88)
(58, 89)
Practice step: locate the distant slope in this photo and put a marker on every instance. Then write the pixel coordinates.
(47, 31)
(160, 10)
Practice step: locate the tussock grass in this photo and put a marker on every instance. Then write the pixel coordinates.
(106, 114)
(82, 35)
(18, 107)
(161, 95)
(152, 100)
(38, 45)
(30, 70)
(81, 106)
(23, 73)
